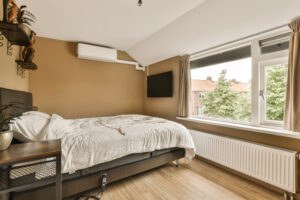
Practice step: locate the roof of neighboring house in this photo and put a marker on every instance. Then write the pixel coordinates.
(203, 85)
(240, 87)
(208, 85)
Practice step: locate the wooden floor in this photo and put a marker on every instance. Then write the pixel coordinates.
(196, 181)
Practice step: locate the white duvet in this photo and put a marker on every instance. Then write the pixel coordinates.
(91, 141)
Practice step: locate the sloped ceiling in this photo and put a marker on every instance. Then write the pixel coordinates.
(115, 23)
(212, 23)
(160, 29)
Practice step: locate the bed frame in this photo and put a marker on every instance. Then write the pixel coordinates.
(89, 178)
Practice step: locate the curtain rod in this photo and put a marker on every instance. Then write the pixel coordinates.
(240, 39)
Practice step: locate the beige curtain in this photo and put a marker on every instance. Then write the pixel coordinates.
(184, 86)
(292, 104)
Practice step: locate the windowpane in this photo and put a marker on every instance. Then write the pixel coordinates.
(223, 90)
(276, 80)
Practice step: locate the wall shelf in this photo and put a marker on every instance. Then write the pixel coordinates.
(26, 65)
(16, 34)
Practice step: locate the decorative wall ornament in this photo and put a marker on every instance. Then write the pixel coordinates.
(14, 28)
(18, 15)
(12, 11)
(28, 52)
(20, 71)
(9, 48)
(1, 39)
(25, 17)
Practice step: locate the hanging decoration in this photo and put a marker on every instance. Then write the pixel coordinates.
(18, 15)
(28, 52)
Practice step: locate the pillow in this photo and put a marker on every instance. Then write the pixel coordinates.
(56, 128)
(41, 114)
(29, 126)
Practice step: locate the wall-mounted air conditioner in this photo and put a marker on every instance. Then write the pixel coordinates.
(98, 53)
(92, 52)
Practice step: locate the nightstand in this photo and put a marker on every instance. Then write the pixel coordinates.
(30, 165)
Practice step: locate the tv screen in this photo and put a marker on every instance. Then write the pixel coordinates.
(160, 85)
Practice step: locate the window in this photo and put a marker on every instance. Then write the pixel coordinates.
(244, 84)
(273, 90)
(225, 87)
(201, 95)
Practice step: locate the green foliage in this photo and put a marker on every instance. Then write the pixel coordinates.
(276, 89)
(243, 109)
(224, 103)
(221, 102)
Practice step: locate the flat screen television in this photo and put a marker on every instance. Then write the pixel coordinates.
(160, 85)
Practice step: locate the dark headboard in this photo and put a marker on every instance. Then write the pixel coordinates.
(14, 96)
(8, 96)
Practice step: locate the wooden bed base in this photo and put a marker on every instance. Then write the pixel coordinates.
(74, 187)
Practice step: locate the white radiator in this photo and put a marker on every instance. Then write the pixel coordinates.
(269, 164)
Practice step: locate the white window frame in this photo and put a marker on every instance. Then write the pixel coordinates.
(263, 97)
(258, 60)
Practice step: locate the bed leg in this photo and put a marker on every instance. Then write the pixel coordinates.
(176, 163)
(103, 182)
(285, 196)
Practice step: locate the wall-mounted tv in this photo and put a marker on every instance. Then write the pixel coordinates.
(160, 85)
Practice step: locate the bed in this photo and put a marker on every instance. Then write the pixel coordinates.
(160, 147)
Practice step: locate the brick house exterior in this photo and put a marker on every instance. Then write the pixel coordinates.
(200, 87)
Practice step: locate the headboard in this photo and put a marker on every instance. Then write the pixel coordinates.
(8, 96)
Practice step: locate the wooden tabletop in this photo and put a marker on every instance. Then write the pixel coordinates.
(31, 150)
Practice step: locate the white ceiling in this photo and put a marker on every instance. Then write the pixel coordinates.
(116, 23)
(160, 29)
(212, 23)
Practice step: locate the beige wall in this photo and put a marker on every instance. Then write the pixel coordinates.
(8, 67)
(74, 87)
(163, 107)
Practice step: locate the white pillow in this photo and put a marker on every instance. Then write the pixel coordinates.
(41, 114)
(56, 128)
(29, 126)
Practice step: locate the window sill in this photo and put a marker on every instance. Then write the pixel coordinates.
(258, 129)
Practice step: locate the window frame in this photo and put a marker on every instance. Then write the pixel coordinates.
(263, 84)
(258, 60)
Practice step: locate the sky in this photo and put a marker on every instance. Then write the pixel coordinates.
(239, 70)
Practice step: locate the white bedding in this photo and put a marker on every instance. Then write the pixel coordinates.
(91, 141)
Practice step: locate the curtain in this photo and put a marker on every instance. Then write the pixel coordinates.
(184, 86)
(292, 103)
